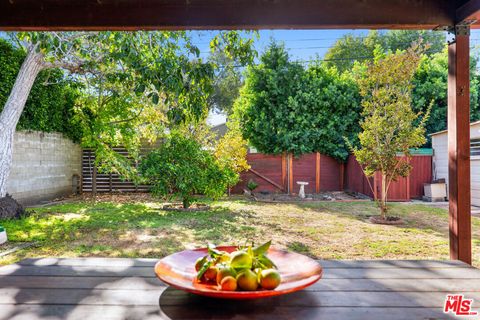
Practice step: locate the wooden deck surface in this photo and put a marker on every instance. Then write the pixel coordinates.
(98, 288)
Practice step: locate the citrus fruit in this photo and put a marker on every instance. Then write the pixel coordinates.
(240, 260)
(224, 272)
(199, 263)
(225, 257)
(211, 273)
(247, 280)
(228, 284)
(269, 279)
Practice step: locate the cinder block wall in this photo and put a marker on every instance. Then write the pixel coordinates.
(43, 166)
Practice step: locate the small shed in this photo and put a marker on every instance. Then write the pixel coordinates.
(440, 158)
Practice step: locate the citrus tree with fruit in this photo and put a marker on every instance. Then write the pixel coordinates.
(181, 168)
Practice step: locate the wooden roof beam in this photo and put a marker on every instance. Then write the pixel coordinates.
(224, 14)
(468, 13)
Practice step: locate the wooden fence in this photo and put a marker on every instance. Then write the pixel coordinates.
(403, 189)
(93, 181)
(280, 173)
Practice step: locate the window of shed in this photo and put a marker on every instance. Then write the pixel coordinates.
(475, 147)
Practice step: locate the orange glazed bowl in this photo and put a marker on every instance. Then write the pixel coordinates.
(297, 272)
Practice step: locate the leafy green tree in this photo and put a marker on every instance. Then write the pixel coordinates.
(266, 107)
(162, 67)
(394, 40)
(50, 106)
(227, 83)
(389, 126)
(351, 48)
(430, 80)
(230, 52)
(181, 168)
(285, 108)
(328, 108)
(430, 84)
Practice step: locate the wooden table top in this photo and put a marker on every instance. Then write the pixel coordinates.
(108, 288)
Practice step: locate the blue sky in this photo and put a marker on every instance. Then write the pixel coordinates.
(302, 44)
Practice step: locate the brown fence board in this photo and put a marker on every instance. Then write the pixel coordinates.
(269, 166)
(403, 189)
(330, 174)
(421, 173)
(304, 170)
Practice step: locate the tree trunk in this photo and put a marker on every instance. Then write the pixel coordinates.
(383, 199)
(12, 111)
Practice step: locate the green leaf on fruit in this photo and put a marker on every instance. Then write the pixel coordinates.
(204, 269)
(213, 252)
(262, 249)
(265, 261)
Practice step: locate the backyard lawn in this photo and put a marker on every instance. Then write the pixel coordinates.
(122, 226)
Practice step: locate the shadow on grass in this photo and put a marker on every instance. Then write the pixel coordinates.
(127, 230)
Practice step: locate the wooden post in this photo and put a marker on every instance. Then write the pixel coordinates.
(284, 171)
(459, 146)
(317, 173)
(290, 173)
(408, 196)
(342, 176)
(94, 182)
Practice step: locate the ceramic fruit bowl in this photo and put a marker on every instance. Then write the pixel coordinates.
(297, 272)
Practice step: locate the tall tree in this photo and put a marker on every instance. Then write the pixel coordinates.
(162, 67)
(228, 74)
(265, 106)
(351, 48)
(50, 105)
(430, 84)
(390, 127)
(286, 108)
(227, 83)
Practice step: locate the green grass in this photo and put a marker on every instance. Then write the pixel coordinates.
(327, 230)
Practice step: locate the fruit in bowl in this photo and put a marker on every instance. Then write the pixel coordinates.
(247, 269)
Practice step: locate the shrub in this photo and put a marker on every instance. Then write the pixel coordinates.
(252, 185)
(181, 168)
(231, 152)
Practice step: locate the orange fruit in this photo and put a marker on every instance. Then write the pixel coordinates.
(228, 284)
(224, 272)
(247, 280)
(270, 279)
(211, 273)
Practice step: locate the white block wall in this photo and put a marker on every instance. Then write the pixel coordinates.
(43, 166)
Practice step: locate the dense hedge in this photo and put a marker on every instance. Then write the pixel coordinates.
(284, 107)
(49, 107)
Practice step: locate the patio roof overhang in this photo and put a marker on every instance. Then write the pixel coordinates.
(232, 14)
(456, 16)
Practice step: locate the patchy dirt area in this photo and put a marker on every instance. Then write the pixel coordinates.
(323, 196)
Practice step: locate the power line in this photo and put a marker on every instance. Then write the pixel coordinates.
(309, 61)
